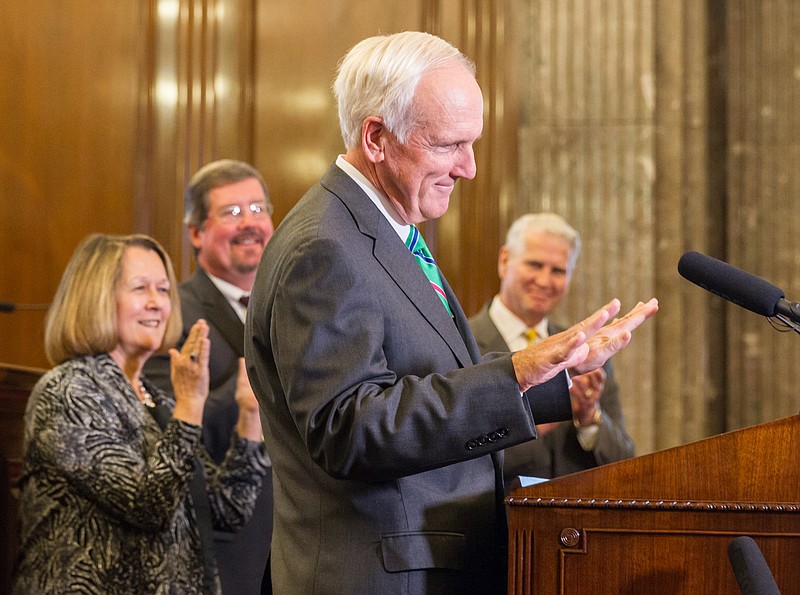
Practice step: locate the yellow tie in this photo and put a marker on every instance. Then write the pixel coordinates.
(531, 335)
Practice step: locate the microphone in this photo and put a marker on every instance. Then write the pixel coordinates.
(751, 570)
(737, 286)
(13, 307)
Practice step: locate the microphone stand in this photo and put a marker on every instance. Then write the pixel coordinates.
(14, 307)
(785, 325)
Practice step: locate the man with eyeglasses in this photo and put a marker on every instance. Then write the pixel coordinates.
(229, 222)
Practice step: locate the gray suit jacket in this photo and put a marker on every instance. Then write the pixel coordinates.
(559, 452)
(383, 429)
(200, 298)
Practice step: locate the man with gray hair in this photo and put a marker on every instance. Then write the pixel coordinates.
(383, 423)
(535, 267)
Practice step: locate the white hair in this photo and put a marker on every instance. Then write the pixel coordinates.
(544, 223)
(379, 75)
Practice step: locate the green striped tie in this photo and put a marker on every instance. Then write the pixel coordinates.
(419, 249)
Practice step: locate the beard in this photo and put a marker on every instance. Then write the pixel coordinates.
(243, 267)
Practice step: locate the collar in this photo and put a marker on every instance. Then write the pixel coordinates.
(511, 327)
(383, 204)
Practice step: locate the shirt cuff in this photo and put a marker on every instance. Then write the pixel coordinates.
(587, 435)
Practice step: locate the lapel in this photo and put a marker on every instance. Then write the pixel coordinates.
(462, 323)
(218, 311)
(554, 329)
(489, 338)
(392, 254)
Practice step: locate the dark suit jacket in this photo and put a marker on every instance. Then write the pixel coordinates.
(382, 427)
(559, 452)
(241, 557)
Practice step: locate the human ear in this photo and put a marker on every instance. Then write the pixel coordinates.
(372, 136)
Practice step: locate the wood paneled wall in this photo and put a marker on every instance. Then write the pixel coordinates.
(654, 127)
(588, 144)
(298, 47)
(197, 104)
(761, 213)
(69, 145)
(621, 114)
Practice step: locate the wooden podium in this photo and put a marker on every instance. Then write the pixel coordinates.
(16, 384)
(662, 523)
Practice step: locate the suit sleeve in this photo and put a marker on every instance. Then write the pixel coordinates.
(371, 386)
(546, 401)
(563, 449)
(613, 443)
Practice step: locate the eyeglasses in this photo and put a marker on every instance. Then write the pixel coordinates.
(235, 213)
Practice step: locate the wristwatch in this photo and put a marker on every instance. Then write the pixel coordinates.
(597, 420)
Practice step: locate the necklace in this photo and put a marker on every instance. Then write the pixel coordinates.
(147, 399)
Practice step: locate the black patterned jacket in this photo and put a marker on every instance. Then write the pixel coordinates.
(104, 502)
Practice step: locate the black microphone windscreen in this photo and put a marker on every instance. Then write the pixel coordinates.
(751, 570)
(735, 285)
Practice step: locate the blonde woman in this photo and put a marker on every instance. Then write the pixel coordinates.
(107, 503)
